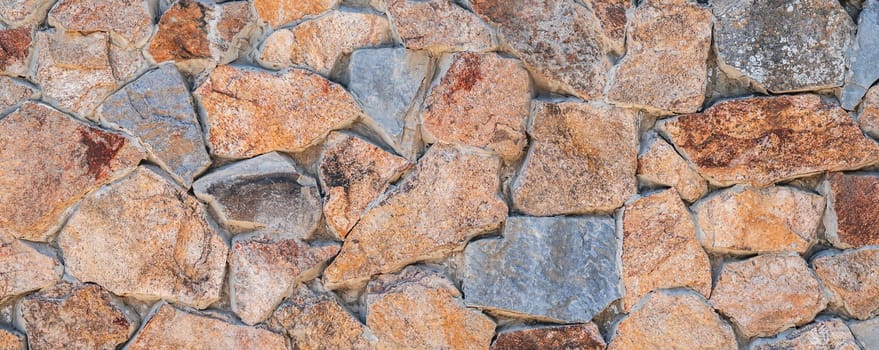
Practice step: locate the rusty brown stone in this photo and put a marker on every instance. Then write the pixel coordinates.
(611, 15)
(830, 334)
(852, 278)
(280, 12)
(849, 219)
(584, 336)
(14, 92)
(11, 340)
(764, 140)
(15, 47)
(661, 165)
(24, 269)
(182, 33)
(439, 26)
(129, 20)
(869, 112)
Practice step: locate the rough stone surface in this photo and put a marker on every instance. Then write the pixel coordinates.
(11, 340)
(66, 316)
(868, 118)
(14, 50)
(660, 249)
(760, 141)
(280, 12)
(193, 30)
(157, 108)
(249, 112)
(24, 269)
(660, 165)
(611, 16)
(867, 333)
(562, 269)
(852, 278)
(582, 159)
(450, 197)
(48, 161)
(673, 320)
(353, 173)
(851, 207)
(748, 220)
(767, 294)
(831, 334)
(481, 100)
(807, 51)
(431, 308)
(577, 336)
(145, 237)
(16, 13)
(128, 20)
(172, 328)
(14, 92)
(862, 68)
(268, 191)
(439, 26)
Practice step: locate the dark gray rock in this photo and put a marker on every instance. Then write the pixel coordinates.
(864, 58)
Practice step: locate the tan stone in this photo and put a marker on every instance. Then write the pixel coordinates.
(676, 319)
(660, 249)
(250, 112)
(764, 140)
(611, 16)
(661, 165)
(831, 334)
(439, 26)
(450, 197)
(15, 47)
(767, 294)
(852, 206)
(11, 340)
(852, 278)
(584, 336)
(24, 269)
(481, 100)
(67, 316)
(869, 112)
(280, 12)
(48, 161)
(24, 12)
(14, 92)
(147, 238)
(582, 159)
(128, 20)
(353, 173)
(748, 220)
(172, 328)
(430, 307)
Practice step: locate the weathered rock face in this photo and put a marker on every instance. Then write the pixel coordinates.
(582, 159)
(578, 336)
(450, 197)
(14, 92)
(250, 112)
(852, 278)
(481, 100)
(24, 269)
(280, 12)
(14, 50)
(172, 328)
(431, 308)
(660, 249)
(868, 118)
(128, 21)
(767, 294)
(862, 69)
(439, 26)
(677, 319)
(145, 237)
(760, 141)
(353, 173)
(867, 333)
(851, 207)
(11, 340)
(41, 179)
(268, 191)
(611, 16)
(831, 334)
(560, 269)
(316, 321)
(17, 13)
(76, 317)
(660, 165)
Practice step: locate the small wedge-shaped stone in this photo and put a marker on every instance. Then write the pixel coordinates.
(660, 165)
(852, 278)
(264, 267)
(191, 30)
(450, 197)
(48, 161)
(430, 307)
(583, 336)
(15, 44)
(28, 13)
(250, 111)
(268, 191)
(353, 173)
(852, 206)
(168, 327)
(439, 26)
(673, 319)
(867, 333)
(767, 294)
(561, 269)
(830, 334)
(582, 159)
(868, 118)
(145, 237)
(280, 12)
(68, 316)
(862, 68)
(128, 20)
(764, 140)
(11, 339)
(14, 92)
(24, 269)
(480, 100)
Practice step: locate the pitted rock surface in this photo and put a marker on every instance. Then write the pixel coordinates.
(15, 50)
(584, 336)
(128, 21)
(851, 206)
(830, 334)
(439, 26)
(852, 278)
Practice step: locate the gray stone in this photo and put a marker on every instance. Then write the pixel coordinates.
(263, 192)
(863, 60)
(157, 108)
(562, 269)
(13, 92)
(829, 334)
(866, 333)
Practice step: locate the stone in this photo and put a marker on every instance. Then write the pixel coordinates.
(830, 334)
(320, 43)
(480, 100)
(862, 70)
(665, 68)
(584, 336)
(868, 118)
(852, 278)
(24, 13)
(611, 16)
(48, 161)
(748, 220)
(439, 26)
(24, 268)
(192, 30)
(171, 328)
(561, 269)
(673, 319)
(14, 92)
(157, 109)
(354, 173)
(449, 198)
(249, 112)
(431, 308)
(660, 165)
(11, 340)
(767, 294)
(582, 159)
(560, 41)
(807, 51)
(234, 24)
(15, 44)
(764, 140)
(660, 249)
(264, 266)
(268, 191)
(128, 22)
(68, 316)
(867, 333)
(280, 12)
(851, 207)
(145, 237)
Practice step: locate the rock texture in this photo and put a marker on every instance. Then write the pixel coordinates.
(583, 336)
(280, 12)
(852, 278)
(660, 165)
(11, 340)
(315, 320)
(14, 92)
(868, 118)
(862, 69)
(831, 334)
(23, 268)
(866, 333)
(611, 16)
(128, 21)
(17, 13)
(439, 26)
(851, 207)
(15, 50)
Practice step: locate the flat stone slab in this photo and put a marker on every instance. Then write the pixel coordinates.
(24, 269)
(129, 22)
(867, 333)
(439, 26)
(862, 69)
(660, 165)
(280, 12)
(851, 278)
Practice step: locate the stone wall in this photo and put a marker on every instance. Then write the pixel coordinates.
(439, 174)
